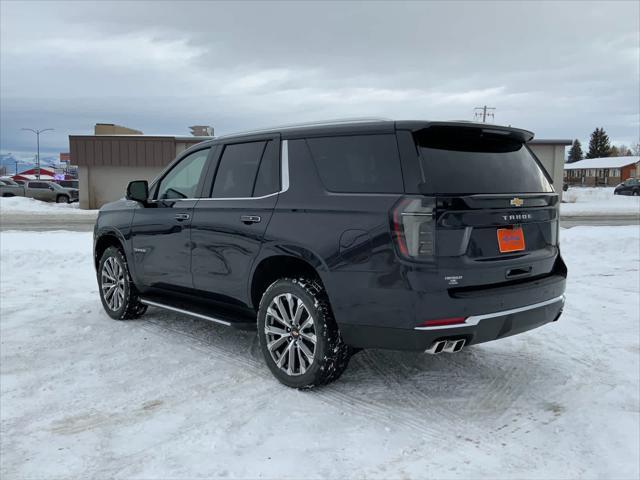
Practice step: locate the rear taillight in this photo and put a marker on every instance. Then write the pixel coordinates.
(413, 227)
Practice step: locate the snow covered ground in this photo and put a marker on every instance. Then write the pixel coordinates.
(30, 206)
(580, 201)
(170, 397)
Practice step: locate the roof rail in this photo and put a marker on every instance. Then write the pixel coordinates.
(309, 124)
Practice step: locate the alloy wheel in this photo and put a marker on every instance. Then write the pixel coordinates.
(112, 283)
(291, 334)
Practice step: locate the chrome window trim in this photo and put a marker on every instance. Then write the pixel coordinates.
(474, 320)
(284, 165)
(284, 179)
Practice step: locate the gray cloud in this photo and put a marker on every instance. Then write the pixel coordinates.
(558, 68)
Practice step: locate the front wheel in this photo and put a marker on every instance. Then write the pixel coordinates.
(298, 335)
(62, 199)
(636, 193)
(118, 294)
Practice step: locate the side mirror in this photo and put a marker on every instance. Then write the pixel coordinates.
(138, 190)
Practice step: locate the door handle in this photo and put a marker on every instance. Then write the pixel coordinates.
(250, 219)
(182, 216)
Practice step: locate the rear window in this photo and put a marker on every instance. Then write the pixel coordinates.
(470, 161)
(358, 164)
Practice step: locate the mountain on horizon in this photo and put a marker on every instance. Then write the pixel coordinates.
(26, 162)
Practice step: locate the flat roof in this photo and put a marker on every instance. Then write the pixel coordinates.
(181, 138)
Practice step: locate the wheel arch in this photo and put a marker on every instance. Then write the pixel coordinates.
(104, 240)
(277, 265)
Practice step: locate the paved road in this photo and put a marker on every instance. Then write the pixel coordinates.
(85, 223)
(599, 220)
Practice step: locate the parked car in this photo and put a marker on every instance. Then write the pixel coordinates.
(50, 192)
(9, 188)
(330, 238)
(631, 186)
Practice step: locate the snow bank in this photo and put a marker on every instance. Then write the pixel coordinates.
(171, 397)
(598, 201)
(24, 205)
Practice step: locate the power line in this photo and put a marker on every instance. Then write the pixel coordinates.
(483, 113)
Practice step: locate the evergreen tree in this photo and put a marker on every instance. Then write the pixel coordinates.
(614, 152)
(599, 145)
(575, 152)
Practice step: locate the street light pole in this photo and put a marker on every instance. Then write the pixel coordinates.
(38, 132)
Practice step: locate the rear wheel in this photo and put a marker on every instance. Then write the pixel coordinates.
(298, 335)
(62, 199)
(636, 193)
(118, 294)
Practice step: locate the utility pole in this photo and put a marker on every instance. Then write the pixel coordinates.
(482, 112)
(38, 132)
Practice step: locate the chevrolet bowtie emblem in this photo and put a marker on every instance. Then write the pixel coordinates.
(516, 202)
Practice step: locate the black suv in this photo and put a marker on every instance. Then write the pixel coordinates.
(631, 186)
(408, 235)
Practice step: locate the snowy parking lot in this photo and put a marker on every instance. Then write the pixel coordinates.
(171, 397)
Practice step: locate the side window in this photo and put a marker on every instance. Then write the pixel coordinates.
(182, 180)
(358, 164)
(237, 170)
(268, 179)
(38, 185)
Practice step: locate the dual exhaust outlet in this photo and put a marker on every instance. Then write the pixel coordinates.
(449, 346)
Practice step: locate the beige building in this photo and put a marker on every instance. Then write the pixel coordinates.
(551, 154)
(110, 159)
(113, 129)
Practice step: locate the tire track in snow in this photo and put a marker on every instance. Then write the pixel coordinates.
(350, 402)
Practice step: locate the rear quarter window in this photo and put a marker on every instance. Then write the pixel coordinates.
(358, 163)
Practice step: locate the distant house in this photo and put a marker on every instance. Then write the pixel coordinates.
(606, 171)
(31, 174)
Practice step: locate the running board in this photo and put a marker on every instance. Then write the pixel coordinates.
(191, 313)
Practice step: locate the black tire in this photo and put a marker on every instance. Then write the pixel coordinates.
(129, 306)
(62, 199)
(331, 356)
(636, 193)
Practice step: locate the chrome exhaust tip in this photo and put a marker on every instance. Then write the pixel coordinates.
(436, 347)
(454, 346)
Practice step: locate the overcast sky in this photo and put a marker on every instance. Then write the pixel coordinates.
(559, 69)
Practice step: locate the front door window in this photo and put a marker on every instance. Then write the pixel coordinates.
(182, 181)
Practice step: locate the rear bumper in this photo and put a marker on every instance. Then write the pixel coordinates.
(476, 328)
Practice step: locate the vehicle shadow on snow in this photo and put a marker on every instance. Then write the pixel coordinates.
(509, 378)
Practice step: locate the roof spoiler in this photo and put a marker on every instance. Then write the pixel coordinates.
(516, 134)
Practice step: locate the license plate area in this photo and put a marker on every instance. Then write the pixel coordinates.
(511, 239)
